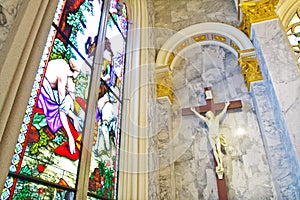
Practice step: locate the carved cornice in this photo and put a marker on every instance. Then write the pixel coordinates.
(257, 11)
(250, 69)
(164, 83)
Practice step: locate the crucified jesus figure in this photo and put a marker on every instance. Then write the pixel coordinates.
(216, 139)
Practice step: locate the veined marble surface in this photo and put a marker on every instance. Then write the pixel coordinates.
(246, 166)
(176, 15)
(279, 69)
(8, 11)
(280, 153)
(282, 88)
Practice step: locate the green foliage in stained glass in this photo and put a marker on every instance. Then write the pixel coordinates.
(110, 22)
(82, 82)
(26, 171)
(74, 20)
(69, 54)
(107, 175)
(43, 141)
(88, 6)
(59, 139)
(58, 46)
(77, 21)
(39, 121)
(23, 194)
(58, 49)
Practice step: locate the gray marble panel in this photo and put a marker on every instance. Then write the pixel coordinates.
(176, 15)
(281, 157)
(246, 168)
(280, 71)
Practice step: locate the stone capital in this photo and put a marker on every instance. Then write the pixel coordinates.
(256, 11)
(164, 83)
(250, 69)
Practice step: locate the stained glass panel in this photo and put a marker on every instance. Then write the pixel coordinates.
(113, 60)
(47, 153)
(104, 164)
(29, 190)
(80, 25)
(118, 13)
(49, 144)
(103, 170)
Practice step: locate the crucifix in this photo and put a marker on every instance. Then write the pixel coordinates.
(217, 139)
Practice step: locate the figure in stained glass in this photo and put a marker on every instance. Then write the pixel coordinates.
(57, 96)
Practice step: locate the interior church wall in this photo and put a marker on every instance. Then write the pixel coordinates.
(245, 163)
(153, 173)
(172, 16)
(185, 147)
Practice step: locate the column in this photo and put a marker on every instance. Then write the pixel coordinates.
(276, 97)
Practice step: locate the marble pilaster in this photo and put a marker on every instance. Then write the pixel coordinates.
(279, 68)
(281, 157)
(281, 130)
(164, 136)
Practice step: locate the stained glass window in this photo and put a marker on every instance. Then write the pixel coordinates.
(293, 32)
(47, 155)
(104, 165)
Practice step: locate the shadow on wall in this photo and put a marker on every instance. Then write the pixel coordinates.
(3, 19)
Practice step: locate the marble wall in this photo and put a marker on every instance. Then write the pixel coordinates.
(246, 166)
(8, 12)
(186, 148)
(172, 15)
(255, 142)
(155, 177)
(278, 107)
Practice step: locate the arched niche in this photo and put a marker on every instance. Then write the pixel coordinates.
(220, 34)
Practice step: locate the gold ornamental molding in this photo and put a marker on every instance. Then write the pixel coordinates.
(200, 38)
(257, 11)
(164, 83)
(250, 68)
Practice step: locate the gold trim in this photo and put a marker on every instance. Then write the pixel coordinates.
(250, 69)
(220, 38)
(171, 58)
(164, 83)
(257, 11)
(199, 38)
(234, 46)
(181, 46)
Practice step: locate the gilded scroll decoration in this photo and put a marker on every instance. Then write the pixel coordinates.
(250, 69)
(164, 83)
(257, 11)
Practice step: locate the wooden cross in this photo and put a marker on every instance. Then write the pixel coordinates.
(214, 107)
(210, 105)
